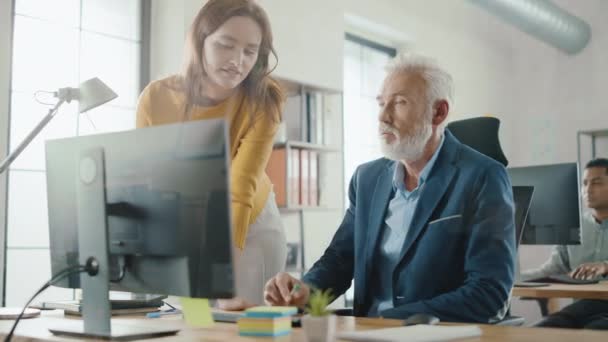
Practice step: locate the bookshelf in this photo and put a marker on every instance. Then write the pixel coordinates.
(306, 168)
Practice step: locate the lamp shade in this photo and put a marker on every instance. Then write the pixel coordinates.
(93, 93)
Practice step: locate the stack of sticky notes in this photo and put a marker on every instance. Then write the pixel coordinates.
(267, 321)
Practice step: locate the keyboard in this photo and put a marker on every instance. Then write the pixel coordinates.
(558, 279)
(566, 279)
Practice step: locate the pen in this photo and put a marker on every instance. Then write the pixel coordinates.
(295, 289)
(158, 314)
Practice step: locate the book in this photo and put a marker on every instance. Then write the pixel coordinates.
(311, 117)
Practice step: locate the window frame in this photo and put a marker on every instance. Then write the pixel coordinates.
(7, 20)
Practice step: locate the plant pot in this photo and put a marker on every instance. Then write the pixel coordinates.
(319, 329)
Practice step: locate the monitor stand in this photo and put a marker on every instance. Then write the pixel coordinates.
(93, 243)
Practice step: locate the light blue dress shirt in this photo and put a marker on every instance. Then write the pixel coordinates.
(397, 222)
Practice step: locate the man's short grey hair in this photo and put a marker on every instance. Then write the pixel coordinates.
(439, 81)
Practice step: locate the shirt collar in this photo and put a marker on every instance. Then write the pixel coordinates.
(598, 225)
(399, 174)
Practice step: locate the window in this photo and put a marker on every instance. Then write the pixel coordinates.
(364, 63)
(56, 44)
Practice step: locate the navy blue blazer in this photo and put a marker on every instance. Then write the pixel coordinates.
(457, 261)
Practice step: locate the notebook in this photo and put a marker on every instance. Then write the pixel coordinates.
(414, 333)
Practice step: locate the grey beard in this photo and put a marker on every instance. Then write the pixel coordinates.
(409, 148)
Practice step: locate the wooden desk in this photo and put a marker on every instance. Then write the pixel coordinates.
(592, 291)
(36, 329)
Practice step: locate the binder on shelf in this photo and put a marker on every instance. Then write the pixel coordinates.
(304, 177)
(319, 122)
(293, 116)
(314, 115)
(313, 179)
(293, 177)
(303, 117)
(277, 172)
(331, 110)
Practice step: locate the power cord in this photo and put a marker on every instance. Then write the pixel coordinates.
(91, 267)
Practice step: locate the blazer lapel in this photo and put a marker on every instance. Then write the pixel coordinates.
(380, 199)
(434, 189)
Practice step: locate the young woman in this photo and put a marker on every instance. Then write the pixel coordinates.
(226, 74)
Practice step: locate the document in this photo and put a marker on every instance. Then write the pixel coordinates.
(414, 333)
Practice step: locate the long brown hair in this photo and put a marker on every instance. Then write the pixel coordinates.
(262, 93)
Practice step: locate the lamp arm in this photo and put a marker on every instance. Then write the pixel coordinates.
(12, 156)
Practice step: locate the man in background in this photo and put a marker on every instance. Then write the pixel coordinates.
(589, 260)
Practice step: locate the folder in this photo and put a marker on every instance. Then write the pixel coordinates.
(304, 178)
(277, 172)
(313, 178)
(293, 177)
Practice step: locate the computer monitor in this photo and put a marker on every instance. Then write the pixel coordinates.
(554, 215)
(152, 205)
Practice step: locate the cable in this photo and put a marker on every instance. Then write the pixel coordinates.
(43, 92)
(91, 267)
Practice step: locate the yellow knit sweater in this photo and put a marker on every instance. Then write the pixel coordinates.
(250, 145)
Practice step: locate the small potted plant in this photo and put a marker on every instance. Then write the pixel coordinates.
(319, 324)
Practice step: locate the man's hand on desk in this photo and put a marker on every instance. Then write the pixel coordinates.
(284, 289)
(590, 270)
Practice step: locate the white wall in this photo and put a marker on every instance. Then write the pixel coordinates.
(556, 94)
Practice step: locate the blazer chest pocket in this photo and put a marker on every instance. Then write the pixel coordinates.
(446, 219)
(451, 224)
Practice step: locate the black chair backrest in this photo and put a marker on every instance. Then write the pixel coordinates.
(481, 134)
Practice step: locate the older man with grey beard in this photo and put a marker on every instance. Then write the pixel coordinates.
(430, 227)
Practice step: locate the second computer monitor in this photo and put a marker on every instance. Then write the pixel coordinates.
(554, 216)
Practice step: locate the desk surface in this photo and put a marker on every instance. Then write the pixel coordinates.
(591, 291)
(36, 329)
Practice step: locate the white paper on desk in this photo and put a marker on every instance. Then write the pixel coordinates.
(414, 333)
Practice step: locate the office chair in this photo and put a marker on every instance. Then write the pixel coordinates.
(481, 134)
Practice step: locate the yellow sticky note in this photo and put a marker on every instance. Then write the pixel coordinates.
(197, 312)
